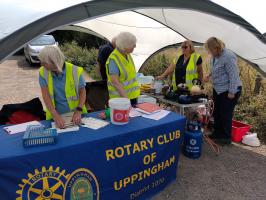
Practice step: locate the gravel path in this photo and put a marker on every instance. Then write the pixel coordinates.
(235, 174)
(19, 81)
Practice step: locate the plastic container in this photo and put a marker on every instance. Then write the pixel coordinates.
(239, 129)
(146, 99)
(119, 110)
(36, 135)
(139, 74)
(158, 86)
(145, 79)
(107, 113)
(251, 139)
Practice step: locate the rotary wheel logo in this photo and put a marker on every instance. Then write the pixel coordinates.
(47, 184)
(119, 116)
(193, 142)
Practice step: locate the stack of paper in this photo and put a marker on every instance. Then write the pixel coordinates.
(148, 108)
(69, 125)
(93, 123)
(68, 119)
(157, 116)
(66, 129)
(134, 112)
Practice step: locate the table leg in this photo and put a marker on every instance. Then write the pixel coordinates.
(182, 111)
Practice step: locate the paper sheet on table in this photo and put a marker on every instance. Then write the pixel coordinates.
(145, 112)
(134, 113)
(70, 126)
(67, 117)
(20, 127)
(93, 123)
(64, 130)
(148, 107)
(157, 115)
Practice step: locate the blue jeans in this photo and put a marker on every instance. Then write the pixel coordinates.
(223, 113)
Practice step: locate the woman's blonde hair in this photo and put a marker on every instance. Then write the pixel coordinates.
(52, 55)
(125, 40)
(190, 44)
(214, 42)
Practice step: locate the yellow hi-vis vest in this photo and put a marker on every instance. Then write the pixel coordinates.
(191, 71)
(127, 76)
(71, 86)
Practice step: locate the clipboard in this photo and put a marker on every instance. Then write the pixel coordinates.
(19, 128)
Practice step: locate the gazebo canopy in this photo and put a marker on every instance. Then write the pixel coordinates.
(156, 24)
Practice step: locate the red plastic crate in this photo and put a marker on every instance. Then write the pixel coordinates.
(239, 129)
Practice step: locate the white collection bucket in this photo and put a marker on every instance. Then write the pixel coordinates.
(119, 110)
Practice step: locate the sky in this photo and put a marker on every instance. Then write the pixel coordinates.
(252, 11)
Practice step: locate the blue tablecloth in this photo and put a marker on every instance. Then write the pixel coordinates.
(133, 161)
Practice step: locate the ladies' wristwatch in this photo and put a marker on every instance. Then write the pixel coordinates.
(79, 109)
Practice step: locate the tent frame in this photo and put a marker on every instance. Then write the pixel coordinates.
(92, 9)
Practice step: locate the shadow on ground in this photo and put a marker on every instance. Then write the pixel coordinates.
(25, 65)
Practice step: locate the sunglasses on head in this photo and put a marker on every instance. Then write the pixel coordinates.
(184, 47)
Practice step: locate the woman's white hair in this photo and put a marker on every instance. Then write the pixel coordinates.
(125, 40)
(53, 56)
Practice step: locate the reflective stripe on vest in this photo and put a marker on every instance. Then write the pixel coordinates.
(127, 91)
(76, 81)
(126, 83)
(122, 67)
(191, 72)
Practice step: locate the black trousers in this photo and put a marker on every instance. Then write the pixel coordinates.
(223, 113)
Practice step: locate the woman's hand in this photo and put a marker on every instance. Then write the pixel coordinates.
(59, 121)
(231, 96)
(207, 78)
(76, 119)
(161, 77)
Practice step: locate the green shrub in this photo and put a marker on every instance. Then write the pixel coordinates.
(156, 65)
(252, 111)
(82, 39)
(83, 57)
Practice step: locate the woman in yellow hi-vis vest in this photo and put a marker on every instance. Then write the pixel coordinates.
(185, 68)
(62, 86)
(120, 69)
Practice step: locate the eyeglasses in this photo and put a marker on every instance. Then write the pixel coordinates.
(184, 47)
